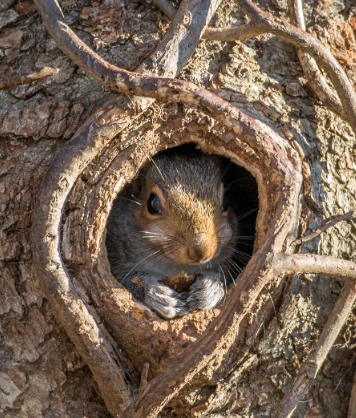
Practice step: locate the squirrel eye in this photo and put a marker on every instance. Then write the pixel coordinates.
(154, 205)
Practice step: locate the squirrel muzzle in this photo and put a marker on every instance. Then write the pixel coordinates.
(202, 249)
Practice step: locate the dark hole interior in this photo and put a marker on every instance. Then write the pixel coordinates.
(130, 258)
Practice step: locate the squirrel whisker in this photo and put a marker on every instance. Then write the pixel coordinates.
(236, 268)
(246, 214)
(233, 182)
(156, 234)
(225, 286)
(140, 262)
(242, 254)
(233, 280)
(148, 249)
(159, 238)
(130, 200)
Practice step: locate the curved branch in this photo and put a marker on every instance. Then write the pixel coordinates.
(67, 305)
(29, 78)
(327, 223)
(319, 352)
(314, 264)
(313, 47)
(310, 68)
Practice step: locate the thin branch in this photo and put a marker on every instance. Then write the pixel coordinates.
(328, 223)
(314, 264)
(311, 367)
(311, 70)
(29, 78)
(309, 44)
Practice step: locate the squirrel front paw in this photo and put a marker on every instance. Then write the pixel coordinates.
(206, 292)
(165, 301)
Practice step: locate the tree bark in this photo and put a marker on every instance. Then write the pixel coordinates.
(42, 372)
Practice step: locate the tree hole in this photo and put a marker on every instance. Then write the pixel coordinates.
(182, 230)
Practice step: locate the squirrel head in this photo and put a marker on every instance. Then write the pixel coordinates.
(184, 212)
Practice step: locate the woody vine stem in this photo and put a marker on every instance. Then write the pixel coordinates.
(262, 149)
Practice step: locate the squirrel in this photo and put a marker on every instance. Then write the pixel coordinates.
(174, 216)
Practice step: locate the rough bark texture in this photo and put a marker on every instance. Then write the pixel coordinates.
(41, 373)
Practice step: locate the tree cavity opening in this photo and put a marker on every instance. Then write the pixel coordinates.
(182, 230)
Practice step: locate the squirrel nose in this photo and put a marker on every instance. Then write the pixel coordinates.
(201, 251)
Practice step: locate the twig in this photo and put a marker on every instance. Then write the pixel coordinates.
(318, 264)
(29, 78)
(214, 34)
(311, 70)
(319, 352)
(328, 223)
(132, 83)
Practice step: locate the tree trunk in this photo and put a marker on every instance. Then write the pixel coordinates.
(42, 373)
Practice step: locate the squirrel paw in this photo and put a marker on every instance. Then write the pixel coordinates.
(206, 292)
(165, 301)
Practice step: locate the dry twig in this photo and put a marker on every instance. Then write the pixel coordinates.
(29, 78)
(328, 223)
